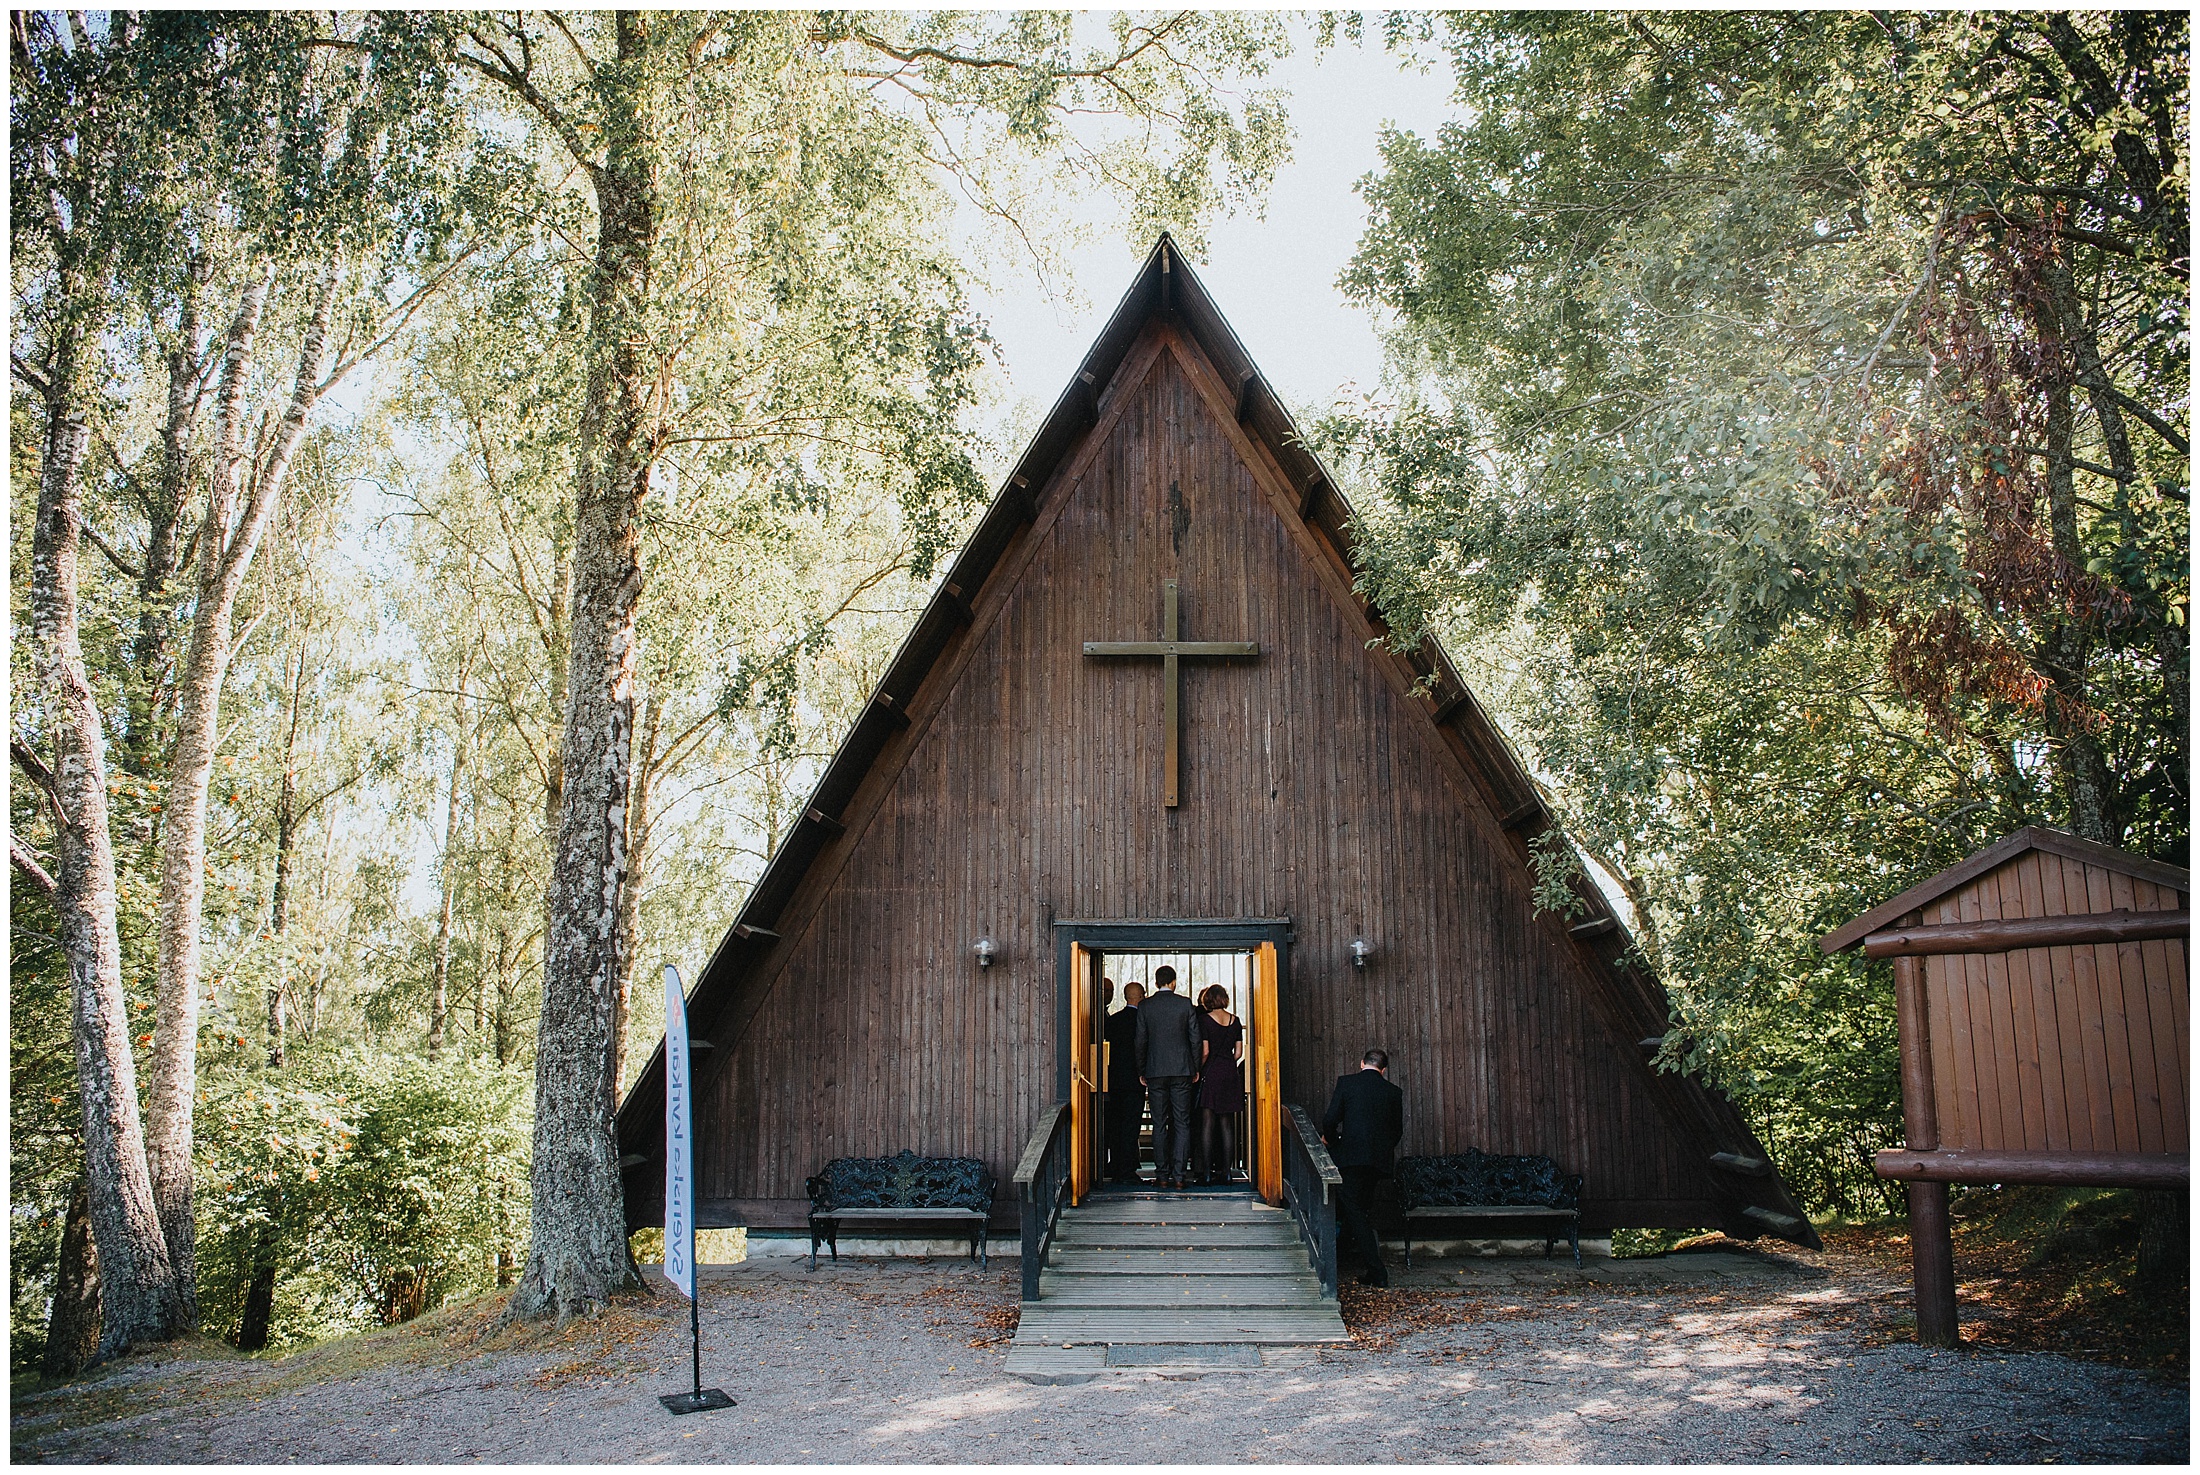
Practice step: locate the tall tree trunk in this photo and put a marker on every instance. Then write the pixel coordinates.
(558, 655)
(227, 540)
(140, 1300)
(2082, 335)
(312, 1021)
(286, 842)
(481, 988)
(2065, 648)
(578, 1256)
(149, 649)
(259, 1295)
(506, 987)
(439, 994)
(72, 1330)
(630, 899)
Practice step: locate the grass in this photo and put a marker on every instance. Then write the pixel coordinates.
(1646, 1244)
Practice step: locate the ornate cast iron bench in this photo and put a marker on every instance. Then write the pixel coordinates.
(1485, 1185)
(904, 1189)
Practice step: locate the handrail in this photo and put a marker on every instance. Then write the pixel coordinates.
(1311, 1184)
(1042, 1182)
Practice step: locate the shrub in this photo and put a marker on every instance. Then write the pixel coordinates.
(356, 1189)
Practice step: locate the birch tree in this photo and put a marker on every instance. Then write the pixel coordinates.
(351, 211)
(72, 111)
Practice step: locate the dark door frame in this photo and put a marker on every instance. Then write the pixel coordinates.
(1165, 935)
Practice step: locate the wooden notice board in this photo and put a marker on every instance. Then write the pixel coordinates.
(2042, 1018)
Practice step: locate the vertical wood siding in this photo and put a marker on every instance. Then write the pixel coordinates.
(2063, 1049)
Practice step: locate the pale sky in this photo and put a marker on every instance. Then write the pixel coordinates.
(1274, 279)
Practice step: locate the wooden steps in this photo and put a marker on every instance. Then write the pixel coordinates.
(1073, 1288)
(1116, 1326)
(1201, 1279)
(1188, 1238)
(1092, 1260)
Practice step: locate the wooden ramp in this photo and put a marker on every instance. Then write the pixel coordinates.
(1193, 1279)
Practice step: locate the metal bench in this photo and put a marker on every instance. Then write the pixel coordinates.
(904, 1189)
(1497, 1186)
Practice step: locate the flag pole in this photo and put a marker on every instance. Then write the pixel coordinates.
(680, 1193)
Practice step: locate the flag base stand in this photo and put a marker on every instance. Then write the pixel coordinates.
(680, 1201)
(702, 1400)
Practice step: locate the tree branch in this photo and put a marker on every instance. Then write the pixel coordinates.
(588, 65)
(28, 760)
(2152, 421)
(27, 864)
(507, 73)
(1146, 39)
(399, 316)
(101, 544)
(29, 375)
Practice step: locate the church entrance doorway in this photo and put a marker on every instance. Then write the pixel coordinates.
(1240, 964)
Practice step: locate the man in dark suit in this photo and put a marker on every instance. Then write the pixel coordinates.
(1363, 1126)
(1168, 1059)
(1126, 1098)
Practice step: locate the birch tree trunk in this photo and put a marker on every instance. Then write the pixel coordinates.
(141, 1300)
(286, 841)
(630, 899)
(72, 1328)
(227, 540)
(163, 529)
(578, 1256)
(439, 995)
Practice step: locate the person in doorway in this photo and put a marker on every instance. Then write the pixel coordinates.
(1363, 1126)
(1168, 1060)
(1126, 1098)
(1221, 1085)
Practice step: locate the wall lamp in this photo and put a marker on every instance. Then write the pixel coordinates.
(1361, 952)
(984, 951)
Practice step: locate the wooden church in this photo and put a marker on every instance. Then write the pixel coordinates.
(1146, 715)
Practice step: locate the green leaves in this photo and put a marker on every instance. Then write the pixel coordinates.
(354, 1173)
(1726, 355)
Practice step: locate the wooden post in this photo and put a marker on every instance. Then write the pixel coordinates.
(1932, 1247)
(1933, 1265)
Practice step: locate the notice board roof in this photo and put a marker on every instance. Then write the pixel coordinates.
(2007, 848)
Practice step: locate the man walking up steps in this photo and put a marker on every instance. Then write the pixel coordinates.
(1168, 1059)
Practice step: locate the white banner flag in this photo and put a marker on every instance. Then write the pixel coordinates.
(679, 1143)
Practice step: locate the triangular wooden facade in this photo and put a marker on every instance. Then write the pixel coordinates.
(999, 782)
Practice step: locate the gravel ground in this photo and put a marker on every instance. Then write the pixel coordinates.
(1714, 1357)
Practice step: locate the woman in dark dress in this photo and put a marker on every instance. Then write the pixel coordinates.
(1221, 1094)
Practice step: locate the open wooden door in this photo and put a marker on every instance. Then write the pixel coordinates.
(1267, 1119)
(1087, 1016)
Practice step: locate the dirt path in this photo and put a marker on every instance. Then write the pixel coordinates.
(1719, 1357)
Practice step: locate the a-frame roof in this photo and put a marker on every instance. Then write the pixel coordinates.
(1633, 1003)
(2001, 852)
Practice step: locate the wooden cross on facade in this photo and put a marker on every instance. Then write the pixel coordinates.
(1171, 651)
